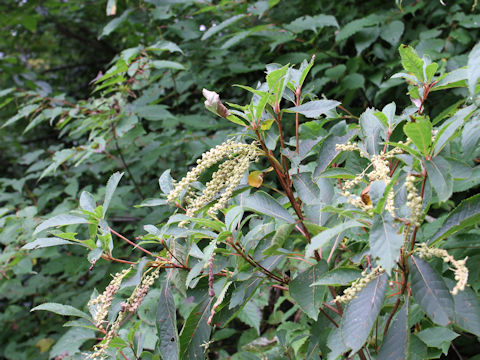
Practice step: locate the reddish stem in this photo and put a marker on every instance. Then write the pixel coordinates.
(133, 244)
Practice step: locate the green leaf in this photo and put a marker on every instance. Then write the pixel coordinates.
(309, 298)
(470, 139)
(276, 81)
(23, 112)
(363, 39)
(70, 342)
(338, 277)
(467, 309)
(373, 130)
(329, 152)
(304, 70)
(355, 80)
(417, 350)
(65, 310)
(279, 238)
(311, 23)
(338, 173)
(411, 62)
(392, 32)
(152, 202)
(30, 22)
(167, 64)
(234, 119)
(450, 129)
(58, 159)
(464, 215)
(439, 337)
(360, 313)
(264, 203)
(196, 332)
(307, 190)
(313, 109)
(420, 132)
(111, 186)
(321, 239)
(60, 220)
(430, 292)
(455, 78)
(87, 202)
(385, 241)
(395, 343)
(473, 69)
(167, 324)
(440, 177)
(115, 23)
(46, 242)
(430, 71)
(165, 46)
(154, 112)
(356, 25)
(166, 182)
(224, 24)
(251, 315)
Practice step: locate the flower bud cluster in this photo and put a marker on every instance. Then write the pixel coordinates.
(238, 157)
(414, 201)
(382, 172)
(459, 266)
(351, 292)
(349, 146)
(104, 300)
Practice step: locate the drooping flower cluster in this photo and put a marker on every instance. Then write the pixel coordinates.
(351, 292)
(380, 172)
(459, 266)
(104, 300)
(237, 158)
(130, 305)
(414, 201)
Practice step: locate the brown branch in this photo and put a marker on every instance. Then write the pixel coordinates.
(329, 317)
(287, 189)
(254, 263)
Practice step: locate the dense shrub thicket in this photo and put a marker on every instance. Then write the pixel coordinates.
(239, 179)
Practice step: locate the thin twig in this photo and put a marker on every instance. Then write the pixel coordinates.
(330, 307)
(110, 257)
(329, 317)
(137, 188)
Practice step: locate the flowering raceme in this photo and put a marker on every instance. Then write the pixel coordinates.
(237, 156)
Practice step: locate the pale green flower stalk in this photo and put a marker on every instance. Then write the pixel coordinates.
(351, 292)
(460, 269)
(237, 158)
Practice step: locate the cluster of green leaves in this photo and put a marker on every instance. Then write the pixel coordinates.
(146, 115)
